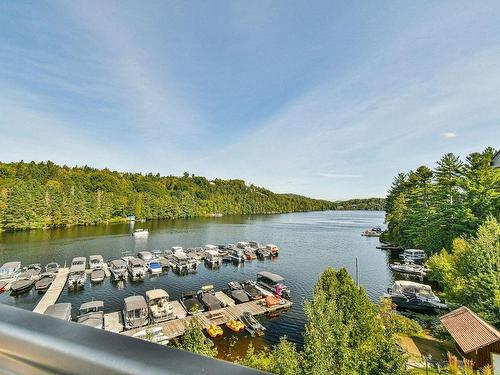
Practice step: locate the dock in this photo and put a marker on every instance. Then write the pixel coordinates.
(175, 328)
(113, 322)
(52, 294)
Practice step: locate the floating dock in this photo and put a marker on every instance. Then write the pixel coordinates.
(175, 328)
(52, 294)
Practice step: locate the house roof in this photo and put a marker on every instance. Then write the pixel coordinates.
(495, 163)
(468, 330)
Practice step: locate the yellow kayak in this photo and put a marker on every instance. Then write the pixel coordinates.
(214, 330)
(235, 325)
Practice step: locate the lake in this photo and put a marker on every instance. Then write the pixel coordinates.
(309, 243)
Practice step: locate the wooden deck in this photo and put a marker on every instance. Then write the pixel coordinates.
(52, 294)
(113, 322)
(174, 328)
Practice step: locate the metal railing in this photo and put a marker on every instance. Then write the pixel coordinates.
(32, 343)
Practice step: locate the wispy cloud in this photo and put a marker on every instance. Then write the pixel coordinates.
(449, 135)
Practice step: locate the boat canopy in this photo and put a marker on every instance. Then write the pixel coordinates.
(414, 251)
(271, 276)
(134, 262)
(92, 305)
(59, 310)
(145, 254)
(212, 253)
(156, 294)
(410, 286)
(135, 303)
(180, 256)
(93, 258)
(211, 247)
(118, 263)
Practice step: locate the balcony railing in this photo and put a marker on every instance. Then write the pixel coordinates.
(31, 343)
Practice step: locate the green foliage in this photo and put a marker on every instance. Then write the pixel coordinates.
(260, 360)
(470, 275)
(285, 359)
(370, 204)
(396, 324)
(429, 208)
(193, 340)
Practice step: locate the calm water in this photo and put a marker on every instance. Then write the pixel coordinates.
(309, 243)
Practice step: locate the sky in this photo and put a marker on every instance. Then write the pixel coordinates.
(329, 99)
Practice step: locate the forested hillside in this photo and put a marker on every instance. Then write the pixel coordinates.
(371, 204)
(428, 208)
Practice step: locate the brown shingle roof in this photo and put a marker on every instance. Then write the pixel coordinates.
(468, 330)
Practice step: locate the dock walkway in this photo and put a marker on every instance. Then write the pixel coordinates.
(52, 294)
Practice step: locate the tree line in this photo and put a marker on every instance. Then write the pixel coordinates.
(42, 195)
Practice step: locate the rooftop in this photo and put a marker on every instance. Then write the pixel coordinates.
(468, 330)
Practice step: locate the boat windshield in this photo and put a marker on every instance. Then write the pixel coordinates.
(136, 314)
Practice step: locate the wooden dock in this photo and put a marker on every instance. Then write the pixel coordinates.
(52, 294)
(174, 328)
(113, 322)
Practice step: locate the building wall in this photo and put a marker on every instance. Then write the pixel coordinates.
(482, 356)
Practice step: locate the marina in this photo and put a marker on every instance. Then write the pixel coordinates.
(52, 294)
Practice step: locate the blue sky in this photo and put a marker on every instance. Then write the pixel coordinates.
(327, 99)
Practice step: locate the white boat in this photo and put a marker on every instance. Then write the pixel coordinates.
(135, 312)
(96, 262)
(236, 254)
(136, 269)
(242, 245)
(10, 270)
(52, 267)
(77, 274)
(118, 269)
(159, 306)
(97, 275)
(179, 261)
(213, 258)
(414, 296)
(146, 256)
(177, 249)
(141, 233)
(273, 282)
(91, 314)
(374, 232)
(414, 255)
(273, 249)
(154, 266)
(408, 267)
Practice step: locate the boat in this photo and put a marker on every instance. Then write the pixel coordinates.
(22, 285)
(159, 306)
(141, 233)
(192, 261)
(191, 303)
(414, 255)
(252, 325)
(237, 292)
(97, 275)
(273, 249)
(3, 284)
(254, 245)
(45, 281)
(251, 289)
(236, 254)
(32, 271)
(52, 267)
(273, 282)
(179, 261)
(249, 254)
(208, 299)
(263, 252)
(10, 270)
(154, 266)
(92, 314)
(126, 256)
(59, 311)
(272, 301)
(213, 258)
(414, 296)
(96, 262)
(374, 232)
(77, 274)
(118, 269)
(177, 249)
(242, 245)
(214, 330)
(157, 254)
(135, 312)
(235, 325)
(145, 255)
(135, 269)
(410, 268)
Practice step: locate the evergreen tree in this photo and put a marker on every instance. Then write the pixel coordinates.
(193, 340)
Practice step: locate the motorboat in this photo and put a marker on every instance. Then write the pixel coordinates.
(250, 254)
(52, 267)
(97, 275)
(374, 232)
(254, 245)
(236, 254)
(77, 274)
(10, 270)
(410, 268)
(141, 233)
(177, 249)
(251, 289)
(135, 312)
(45, 281)
(135, 269)
(191, 303)
(92, 314)
(263, 252)
(146, 256)
(273, 249)
(179, 261)
(414, 296)
(242, 245)
(22, 285)
(126, 256)
(59, 311)
(252, 325)
(273, 282)
(237, 292)
(3, 284)
(192, 261)
(32, 271)
(96, 262)
(157, 254)
(154, 266)
(159, 306)
(414, 255)
(208, 299)
(118, 269)
(213, 258)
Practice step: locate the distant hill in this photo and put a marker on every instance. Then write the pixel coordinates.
(42, 195)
